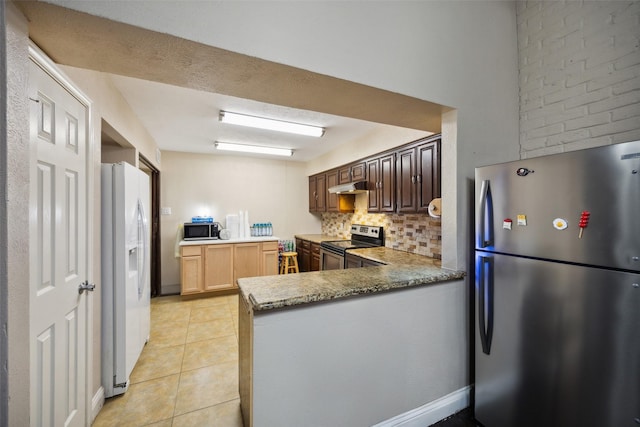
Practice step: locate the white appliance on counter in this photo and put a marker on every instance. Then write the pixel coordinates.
(126, 288)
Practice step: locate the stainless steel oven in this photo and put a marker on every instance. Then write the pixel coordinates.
(332, 253)
(331, 260)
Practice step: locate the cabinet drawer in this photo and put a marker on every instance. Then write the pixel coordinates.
(269, 246)
(306, 244)
(191, 250)
(315, 248)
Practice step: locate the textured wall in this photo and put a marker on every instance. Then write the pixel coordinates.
(579, 68)
(18, 215)
(4, 386)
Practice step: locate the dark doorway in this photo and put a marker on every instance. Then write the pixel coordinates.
(154, 178)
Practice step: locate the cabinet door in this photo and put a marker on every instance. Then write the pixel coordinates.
(406, 180)
(358, 171)
(314, 262)
(373, 184)
(246, 260)
(386, 188)
(312, 194)
(344, 175)
(269, 263)
(428, 174)
(332, 199)
(304, 255)
(191, 275)
(321, 190)
(218, 267)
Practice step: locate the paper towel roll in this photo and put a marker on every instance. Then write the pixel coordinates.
(435, 209)
(233, 225)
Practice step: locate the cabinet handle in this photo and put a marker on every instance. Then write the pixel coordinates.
(413, 179)
(420, 178)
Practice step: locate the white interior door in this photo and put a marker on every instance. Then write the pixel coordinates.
(58, 252)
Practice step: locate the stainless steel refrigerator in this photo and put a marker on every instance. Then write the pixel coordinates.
(557, 290)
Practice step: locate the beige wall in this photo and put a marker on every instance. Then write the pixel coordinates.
(110, 106)
(18, 217)
(195, 184)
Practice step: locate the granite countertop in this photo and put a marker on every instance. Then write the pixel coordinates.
(318, 238)
(222, 242)
(402, 270)
(393, 257)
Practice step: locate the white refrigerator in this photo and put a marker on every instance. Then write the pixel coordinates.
(126, 287)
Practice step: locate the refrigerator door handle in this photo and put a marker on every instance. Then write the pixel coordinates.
(142, 224)
(485, 228)
(485, 303)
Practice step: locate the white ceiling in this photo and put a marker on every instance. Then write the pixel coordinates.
(181, 119)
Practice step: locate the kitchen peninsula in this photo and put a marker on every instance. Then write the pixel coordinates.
(350, 347)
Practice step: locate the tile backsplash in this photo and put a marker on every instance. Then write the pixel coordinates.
(415, 233)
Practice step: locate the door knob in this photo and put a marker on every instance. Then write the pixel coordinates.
(86, 286)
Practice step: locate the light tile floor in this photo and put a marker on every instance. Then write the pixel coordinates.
(187, 374)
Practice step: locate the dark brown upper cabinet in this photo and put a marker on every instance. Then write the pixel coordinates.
(318, 193)
(404, 180)
(351, 173)
(381, 183)
(418, 175)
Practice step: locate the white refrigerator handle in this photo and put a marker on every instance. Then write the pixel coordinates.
(142, 222)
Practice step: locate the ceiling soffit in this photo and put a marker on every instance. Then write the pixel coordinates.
(87, 41)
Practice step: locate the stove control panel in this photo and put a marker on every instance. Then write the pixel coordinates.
(367, 230)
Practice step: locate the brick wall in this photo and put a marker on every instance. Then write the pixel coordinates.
(579, 64)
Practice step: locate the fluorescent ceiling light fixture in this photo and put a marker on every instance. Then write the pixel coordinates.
(270, 124)
(257, 149)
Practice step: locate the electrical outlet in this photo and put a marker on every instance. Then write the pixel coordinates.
(165, 211)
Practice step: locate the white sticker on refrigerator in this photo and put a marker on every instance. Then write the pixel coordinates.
(522, 219)
(560, 224)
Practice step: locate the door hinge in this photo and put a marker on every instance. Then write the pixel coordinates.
(86, 286)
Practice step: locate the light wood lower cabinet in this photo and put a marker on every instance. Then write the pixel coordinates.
(211, 268)
(247, 260)
(218, 267)
(191, 276)
(269, 260)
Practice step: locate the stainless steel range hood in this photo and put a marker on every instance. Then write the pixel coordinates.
(350, 188)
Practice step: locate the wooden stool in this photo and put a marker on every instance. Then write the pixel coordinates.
(289, 263)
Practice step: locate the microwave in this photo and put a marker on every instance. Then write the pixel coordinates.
(200, 231)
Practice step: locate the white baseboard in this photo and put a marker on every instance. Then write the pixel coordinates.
(97, 403)
(432, 412)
